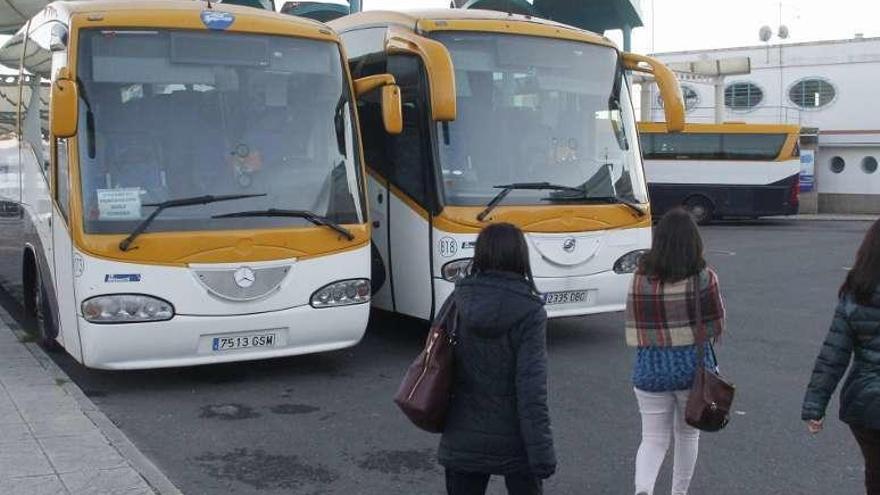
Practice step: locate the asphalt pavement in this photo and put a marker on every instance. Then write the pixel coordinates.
(325, 424)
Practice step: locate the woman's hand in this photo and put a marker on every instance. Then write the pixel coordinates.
(815, 425)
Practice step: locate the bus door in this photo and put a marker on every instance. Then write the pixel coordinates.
(402, 200)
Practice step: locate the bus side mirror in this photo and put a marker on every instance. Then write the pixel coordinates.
(392, 109)
(670, 91)
(64, 107)
(438, 65)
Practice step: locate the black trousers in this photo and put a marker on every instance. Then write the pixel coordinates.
(869, 442)
(458, 483)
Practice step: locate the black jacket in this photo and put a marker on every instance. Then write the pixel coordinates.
(498, 421)
(854, 332)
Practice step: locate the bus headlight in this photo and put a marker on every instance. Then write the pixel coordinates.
(456, 270)
(126, 308)
(342, 293)
(629, 262)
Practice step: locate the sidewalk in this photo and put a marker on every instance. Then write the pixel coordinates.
(827, 217)
(53, 440)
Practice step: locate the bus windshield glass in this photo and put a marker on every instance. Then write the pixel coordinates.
(536, 110)
(166, 115)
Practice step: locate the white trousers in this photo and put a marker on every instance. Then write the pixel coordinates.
(663, 420)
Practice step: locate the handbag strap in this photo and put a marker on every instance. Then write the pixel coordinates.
(700, 337)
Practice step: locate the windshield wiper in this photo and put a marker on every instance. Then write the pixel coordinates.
(90, 118)
(582, 196)
(506, 189)
(304, 214)
(125, 244)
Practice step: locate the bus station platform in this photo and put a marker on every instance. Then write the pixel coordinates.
(53, 439)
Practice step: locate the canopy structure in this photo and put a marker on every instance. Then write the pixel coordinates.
(319, 11)
(14, 13)
(593, 15)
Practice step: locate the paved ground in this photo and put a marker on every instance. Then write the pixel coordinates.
(326, 425)
(48, 443)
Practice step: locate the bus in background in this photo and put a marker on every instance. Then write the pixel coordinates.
(507, 118)
(723, 170)
(192, 190)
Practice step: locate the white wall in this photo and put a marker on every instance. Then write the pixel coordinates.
(853, 179)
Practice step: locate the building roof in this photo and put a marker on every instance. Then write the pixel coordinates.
(762, 47)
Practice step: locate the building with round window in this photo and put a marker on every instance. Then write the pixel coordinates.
(822, 86)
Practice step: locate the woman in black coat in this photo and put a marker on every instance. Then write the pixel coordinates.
(855, 333)
(498, 421)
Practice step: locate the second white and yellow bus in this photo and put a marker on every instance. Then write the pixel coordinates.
(507, 118)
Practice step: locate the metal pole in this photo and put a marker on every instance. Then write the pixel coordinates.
(627, 37)
(646, 101)
(355, 6)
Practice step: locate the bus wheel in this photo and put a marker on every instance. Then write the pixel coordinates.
(44, 319)
(701, 208)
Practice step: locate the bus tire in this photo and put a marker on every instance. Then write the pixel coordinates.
(377, 270)
(45, 328)
(701, 208)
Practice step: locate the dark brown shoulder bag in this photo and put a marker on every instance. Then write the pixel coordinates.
(424, 392)
(711, 397)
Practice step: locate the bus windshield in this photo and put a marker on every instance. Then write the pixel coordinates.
(166, 115)
(538, 110)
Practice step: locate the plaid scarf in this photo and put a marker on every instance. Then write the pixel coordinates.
(664, 314)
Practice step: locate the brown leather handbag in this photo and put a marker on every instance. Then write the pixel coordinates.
(711, 397)
(424, 392)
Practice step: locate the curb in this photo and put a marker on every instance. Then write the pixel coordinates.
(825, 218)
(154, 477)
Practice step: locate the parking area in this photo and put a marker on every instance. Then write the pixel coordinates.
(325, 424)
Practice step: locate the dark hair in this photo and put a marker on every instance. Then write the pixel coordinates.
(864, 277)
(677, 250)
(502, 247)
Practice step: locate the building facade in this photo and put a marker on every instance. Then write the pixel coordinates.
(826, 87)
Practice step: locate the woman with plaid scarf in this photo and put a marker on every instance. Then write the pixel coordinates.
(661, 322)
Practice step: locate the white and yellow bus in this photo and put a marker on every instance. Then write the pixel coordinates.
(507, 118)
(723, 170)
(182, 183)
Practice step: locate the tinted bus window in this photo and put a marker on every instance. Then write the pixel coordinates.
(706, 146)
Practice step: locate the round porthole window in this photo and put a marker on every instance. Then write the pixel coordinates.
(837, 164)
(689, 95)
(812, 93)
(869, 164)
(742, 96)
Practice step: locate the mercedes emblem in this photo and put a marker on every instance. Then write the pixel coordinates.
(244, 277)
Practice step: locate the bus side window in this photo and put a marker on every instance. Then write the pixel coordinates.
(62, 177)
(38, 66)
(409, 152)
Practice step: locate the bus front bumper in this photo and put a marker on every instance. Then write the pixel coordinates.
(605, 293)
(189, 340)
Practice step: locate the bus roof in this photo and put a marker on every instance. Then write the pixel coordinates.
(428, 20)
(166, 12)
(724, 128)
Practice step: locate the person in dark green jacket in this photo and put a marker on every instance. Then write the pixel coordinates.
(854, 335)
